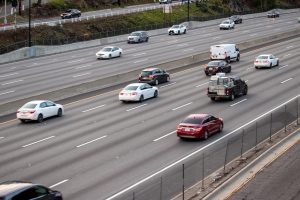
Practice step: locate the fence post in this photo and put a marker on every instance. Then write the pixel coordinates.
(182, 181)
(271, 121)
(285, 116)
(161, 184)
(242, 147)
(203, 171)
(256, 136)
(225, 162)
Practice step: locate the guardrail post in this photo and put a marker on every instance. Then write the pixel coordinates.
(203, 172)
(271, 121)
(182, 181)
(225, 162)
(242, 147)
(161, 186)
(285, 116)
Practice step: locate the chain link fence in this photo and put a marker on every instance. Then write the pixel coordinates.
(175, 180)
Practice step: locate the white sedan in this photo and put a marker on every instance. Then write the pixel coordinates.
(177, 29)
(266, 60)
(138, 92)
(39, 110)
(227, 24)
(109, 52)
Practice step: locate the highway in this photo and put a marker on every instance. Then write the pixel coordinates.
(101, 145)
(26, 78)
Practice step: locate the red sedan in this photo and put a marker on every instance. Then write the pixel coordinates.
(199, 126)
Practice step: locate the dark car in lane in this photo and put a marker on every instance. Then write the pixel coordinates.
(154, 76)
(19, 190)
(199, 126)
(216, 66)
(273, 13)
(71, 13)
(236, 19)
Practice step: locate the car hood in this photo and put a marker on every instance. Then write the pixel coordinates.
(102, 52)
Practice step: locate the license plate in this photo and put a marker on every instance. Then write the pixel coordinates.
(187, 129)
(210, 69)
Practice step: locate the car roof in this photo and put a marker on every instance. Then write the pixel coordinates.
(264, 55)
(136, 84)
(12, 186)
(150, 69)
(109, 47)
(199, 116)
(37, 101)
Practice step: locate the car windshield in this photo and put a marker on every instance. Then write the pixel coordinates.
(107, 49)
(29, 105)
(262, 57)
(146, 73)
(225, 22)
(135, 34)
(212, 64)
(131, 87)
(175, 26)
(68, 11)
(192, 120)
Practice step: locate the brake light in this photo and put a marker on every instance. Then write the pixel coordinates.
(133, 93)
(18, 111)
(266, 61)
(31, 112)
(199, 129)
(151, 76)
(227, 91)
(121, 93)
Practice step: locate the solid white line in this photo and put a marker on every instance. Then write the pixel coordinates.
(217, 37)
(7, 92)
(59, 183)
(75, 76)
(286, 80)
(164, 136)
(136, 107)
(93, 108)
(167, 85)
(83, 66)
(130, 50)
(39, 141)
(139, 54)
(1, 138)
(195, 152)
(11, 82)
(181, 45)
(140, 60)
(188, 49)
(91, 141)
(74, 61)
(246, 31)
(283, 66)
(238, 102)
(6, 75)
(286, 55)
(202, 84)
(289, 47)
(182, 106)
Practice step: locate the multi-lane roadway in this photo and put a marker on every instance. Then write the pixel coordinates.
(101, 145)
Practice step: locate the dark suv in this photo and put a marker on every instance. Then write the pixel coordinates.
(18, 190)
(236, 19)
(71, 13)
(216, 66)
(154, 76)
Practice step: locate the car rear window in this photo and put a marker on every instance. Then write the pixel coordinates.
(135, 34)
(107, 49)
(213, 63)
(30, 105)
(175, 26)
(262, 57)
(146, 73)
(225, 22)
(131, 87)
(192, 120)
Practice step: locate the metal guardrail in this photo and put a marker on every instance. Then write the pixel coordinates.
(192, 169)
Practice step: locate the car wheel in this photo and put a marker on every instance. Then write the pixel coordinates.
(213, 98)
(271, 65)
(155, 94)
(277, 63)
(256, 67)
(229, 69)
(141, 98)
(232, 97)
(40, 118)
(168, 78)
(205, 135)
(109, 56)
(245, 91)
(156, 82)
(120, 54)
(147, 39)
(238, 58)
(23, 120)
(184, 32)
(221, 128)
(59, 112)
(178, 32)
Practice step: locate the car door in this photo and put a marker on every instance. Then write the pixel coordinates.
(214, 122)
(159, 75)
(164, 76)
(114, 51)
(273, 60)
(208, 127)
(44, 109)
(52, 109)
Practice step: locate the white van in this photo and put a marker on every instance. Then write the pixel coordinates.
(228, 52)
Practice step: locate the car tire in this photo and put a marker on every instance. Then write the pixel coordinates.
(109, 57)
(256, 67)
(229, 69)
(141, 98)
(59, 112)
(23, 120)
(120, 54)
(277, 63)
(205, 137)
(245, 91)
(184, 32)
(156, 82)
(232, 97)
(238, 58)
(221, 128)
(178, 32)
(40, 118)
(271, 65)
(155, 94)
(147, 39)
(213, 98)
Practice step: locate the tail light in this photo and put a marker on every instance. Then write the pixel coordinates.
(151, 76)
(31, 112)
(133, 93)
(121, 93)
(227, 91)
(18, 111)
(199, 129)
(266, 61)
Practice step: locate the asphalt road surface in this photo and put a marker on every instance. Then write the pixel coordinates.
(40, 75)
(101, 145)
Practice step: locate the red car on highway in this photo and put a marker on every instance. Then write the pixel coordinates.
(199, 126)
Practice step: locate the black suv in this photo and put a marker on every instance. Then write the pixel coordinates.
(216, 66)
(154, 76)
(71, 13)
(236, 19)
(18, 190)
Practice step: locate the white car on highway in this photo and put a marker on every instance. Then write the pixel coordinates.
(138, 92)
(109, 52)
(266, 60)
(177, 29)
(39, 110)
(227, 24)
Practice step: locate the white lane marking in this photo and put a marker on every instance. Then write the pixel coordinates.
(75, 61)
(7, 92)
(195, 152)
(38, 141)
(93, 108)
(201, 84)
(6, 75)
(286, 55)
(246, 81)
(286, 80)
(246, 31)
(140, 60)
(75, 76)
(283, 66)
(138, 54)
(238, 102)
(59, 183)
(182, 45)
(136, 107)
(128, 50)
(191, 49)
(83, 66)
(172, 41)
(289, 47)
(254, 34)
(218, 37)
(81, 145)
(167, 85)
(164, 136)
(182, 106)
(1, 138)
(11, 82)
(249, 68)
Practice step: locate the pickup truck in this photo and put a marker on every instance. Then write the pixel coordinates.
(226, 87)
